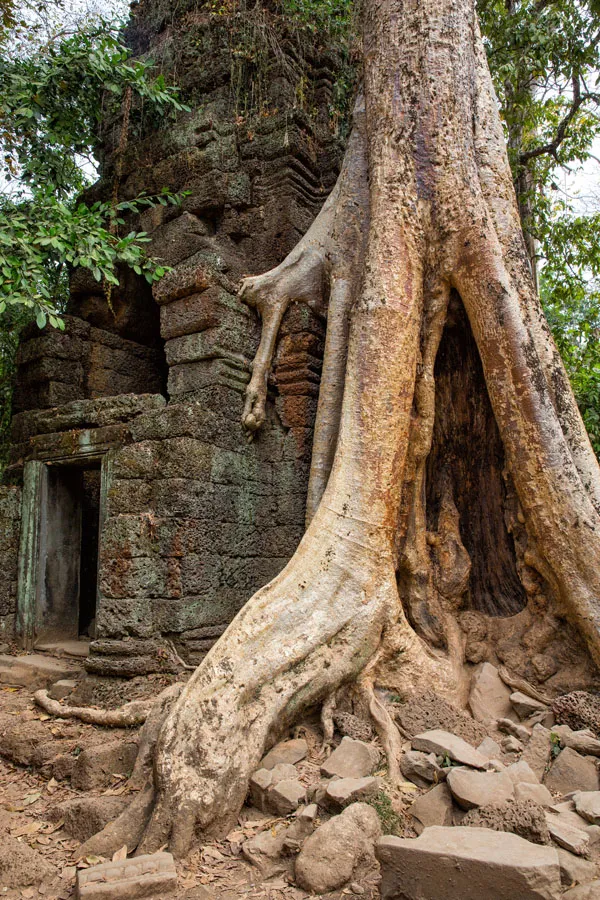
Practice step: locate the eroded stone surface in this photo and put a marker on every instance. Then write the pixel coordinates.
(141, 876)
(96, 766)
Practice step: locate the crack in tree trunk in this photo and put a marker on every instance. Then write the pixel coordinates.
(424, 206)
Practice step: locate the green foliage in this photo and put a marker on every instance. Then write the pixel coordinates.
(55, 89)
(390, 822)
(545, 58)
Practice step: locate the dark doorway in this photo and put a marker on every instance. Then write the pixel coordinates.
(68, 547)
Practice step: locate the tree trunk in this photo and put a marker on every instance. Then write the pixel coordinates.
(452, 483)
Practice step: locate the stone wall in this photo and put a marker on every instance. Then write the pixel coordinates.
(10, 516)
(82, 362)
(196, 518)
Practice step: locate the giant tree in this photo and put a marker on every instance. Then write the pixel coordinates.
(453, 485)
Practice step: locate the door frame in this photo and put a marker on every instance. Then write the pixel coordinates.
(31, 563)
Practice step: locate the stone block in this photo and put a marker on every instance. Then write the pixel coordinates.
(421, 768)
(62, 688)
(534, 793)
(572, 772)
(587, 804)
(472, 789)
(329, 855)
(526, 706)
(467, 864)
(572, 839)
(352, 759)
(85, 816)
(289, 752)
(342, 792)
(538, 750)
(142, 876)
(96, 766)
(442, 743)
(33, 670)
(433, 808)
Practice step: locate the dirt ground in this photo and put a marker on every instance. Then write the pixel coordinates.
(29, 797)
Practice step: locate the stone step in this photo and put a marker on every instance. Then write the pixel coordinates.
(79, 649)
(34, 670)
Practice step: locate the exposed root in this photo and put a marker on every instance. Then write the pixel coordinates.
(129, 827)
(127, 716)
(386, 729)
(520, 684)
(327, 720)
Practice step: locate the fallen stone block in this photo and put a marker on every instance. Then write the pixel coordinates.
(489, 698)
(289, 752)
(342, 792)
(511, 744)
(21, 742)
(141, 876)
(489, 748)
(587, 804)
(590, 891)
(538, 750)
(472, 789)
(584, 741)
(332, 852)
(61, 689)
(433, 808)
(467, 864)
(574, 870)
(568, 837)
(352, 759)
(34, 671)
(525, 706)
(421, 768)
(85, 816)
(442, 743)
(522, 771)
(265, 850)
(533, 793)
(572, 772)
(286, 796)
(96, 766)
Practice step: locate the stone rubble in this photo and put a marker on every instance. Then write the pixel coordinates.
(519, 818)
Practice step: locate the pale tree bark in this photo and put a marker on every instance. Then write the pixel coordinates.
(422, 220)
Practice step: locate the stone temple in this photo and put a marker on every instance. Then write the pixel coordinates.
(134, 512)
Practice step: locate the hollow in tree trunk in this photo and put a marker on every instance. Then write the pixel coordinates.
(453, 509)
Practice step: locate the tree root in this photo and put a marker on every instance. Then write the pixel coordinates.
(129, 827)
(520, 684)
(127, 716)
